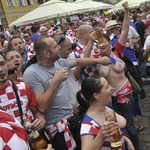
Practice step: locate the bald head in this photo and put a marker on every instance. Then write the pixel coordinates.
(85, 28)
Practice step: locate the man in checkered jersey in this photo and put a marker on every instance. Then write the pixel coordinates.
(8, 100)
(72, 32)
(85, 42)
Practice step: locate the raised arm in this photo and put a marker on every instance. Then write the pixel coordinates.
(125, 25)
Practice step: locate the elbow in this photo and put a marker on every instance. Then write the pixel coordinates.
(42, 110)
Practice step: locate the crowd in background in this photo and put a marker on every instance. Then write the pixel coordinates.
(47, 84)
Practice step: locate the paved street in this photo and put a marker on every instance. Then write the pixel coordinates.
(145, 119)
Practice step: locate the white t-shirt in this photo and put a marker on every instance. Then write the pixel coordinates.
(147, 42)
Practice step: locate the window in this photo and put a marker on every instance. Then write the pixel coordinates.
(29, 2)
(20, 3)
(10, 3)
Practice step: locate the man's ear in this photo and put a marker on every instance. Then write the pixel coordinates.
(46, 53)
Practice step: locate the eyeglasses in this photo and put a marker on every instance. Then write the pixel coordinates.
(62, 39)
(26, 36)
(12, 71)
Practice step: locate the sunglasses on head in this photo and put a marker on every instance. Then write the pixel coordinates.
(62, 39)
(26, 36)
(12, 71)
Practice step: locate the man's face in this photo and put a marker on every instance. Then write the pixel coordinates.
(26, 37)
(54, 49)
(15, 58)
(12, 71)
(47, 24)
(66, 49)
(18, 45)
(3, 70)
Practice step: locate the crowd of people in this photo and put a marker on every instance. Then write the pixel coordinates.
(69, 74)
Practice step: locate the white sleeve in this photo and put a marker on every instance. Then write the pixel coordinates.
(147, 42)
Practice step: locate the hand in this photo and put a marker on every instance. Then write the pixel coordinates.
(105, 60)
(75, 110)
(49, 147)
(148, 48)
(125, 6)
(61, 75)
(109, 129)
(92, 36)
(37, 124)
(134, 41)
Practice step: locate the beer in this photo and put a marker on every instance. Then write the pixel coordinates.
(99, 36)
(38, 139)
(115, 139)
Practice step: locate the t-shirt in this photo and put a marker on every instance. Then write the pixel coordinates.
(12, 134)
(91, 127)
(8, 100)
(39, 78)
(147, 42)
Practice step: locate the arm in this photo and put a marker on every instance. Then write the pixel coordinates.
(125, 25)
(146, 52)
(90, 142)
(89, 61)
(46, 99)
(129, 143)
(39, 121)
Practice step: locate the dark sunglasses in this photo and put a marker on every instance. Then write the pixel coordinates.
(62, 39)
(12, 71)
(26, 36)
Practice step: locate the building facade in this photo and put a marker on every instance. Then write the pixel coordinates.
(11, 10)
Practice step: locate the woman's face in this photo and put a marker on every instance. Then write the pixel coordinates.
(105, 48)
(106, 91)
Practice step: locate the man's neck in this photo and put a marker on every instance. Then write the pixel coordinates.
(45, 63)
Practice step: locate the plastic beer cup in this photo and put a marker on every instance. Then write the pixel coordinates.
(115, 139)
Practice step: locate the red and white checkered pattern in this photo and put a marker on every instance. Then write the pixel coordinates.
(123, 91)
(79, 53)
(12, 134)
(50, 32)
(73, 36)
(30, 46)
(28, 56)
(8, 100)
(60, 127)
(92, 128)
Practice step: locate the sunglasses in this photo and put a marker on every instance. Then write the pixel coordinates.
(62, 39)
(12, 71)
(26, 36)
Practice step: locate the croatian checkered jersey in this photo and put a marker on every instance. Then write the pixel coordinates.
(91, 127)
(30, 46)
(78, 52)
(12, 134)
(8, 100)
(73, 36)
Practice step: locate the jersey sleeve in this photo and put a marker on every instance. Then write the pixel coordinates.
(119, 47)
(31, 96)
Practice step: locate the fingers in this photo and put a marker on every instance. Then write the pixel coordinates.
(109, 128)
(36, 124)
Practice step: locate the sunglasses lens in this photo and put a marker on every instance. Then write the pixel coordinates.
(12, 71)
(25, 36)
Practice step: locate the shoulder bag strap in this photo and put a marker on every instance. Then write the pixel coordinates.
(18, 101)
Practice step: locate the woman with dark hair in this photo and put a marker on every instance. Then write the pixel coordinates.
(95, 94)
